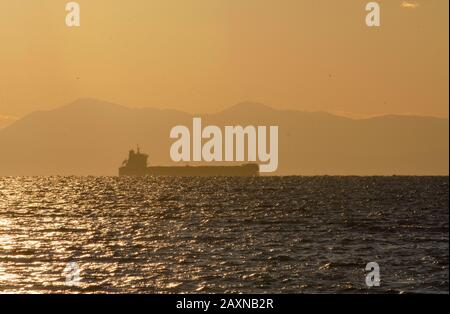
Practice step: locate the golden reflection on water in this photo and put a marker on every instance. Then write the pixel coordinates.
(6, 243)
(255, 235)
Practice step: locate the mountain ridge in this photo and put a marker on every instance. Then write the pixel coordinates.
(92, 137)
(93, 103)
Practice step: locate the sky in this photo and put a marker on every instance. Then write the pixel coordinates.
(206, 55)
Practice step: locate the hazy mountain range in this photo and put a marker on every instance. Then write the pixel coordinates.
(91, 137)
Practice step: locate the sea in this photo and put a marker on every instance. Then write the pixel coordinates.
(224, 235)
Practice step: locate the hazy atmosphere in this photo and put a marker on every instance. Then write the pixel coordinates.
(349, 99)
(204, 56)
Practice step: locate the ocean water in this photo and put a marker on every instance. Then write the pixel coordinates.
(223, 235)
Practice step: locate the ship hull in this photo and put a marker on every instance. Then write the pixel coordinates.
(248, 170)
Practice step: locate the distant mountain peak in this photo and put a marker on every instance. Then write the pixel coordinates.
(91, 102)
(248, 106)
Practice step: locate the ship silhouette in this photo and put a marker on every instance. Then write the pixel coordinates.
(136, 165)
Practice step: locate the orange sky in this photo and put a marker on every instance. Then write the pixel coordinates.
(205, 55)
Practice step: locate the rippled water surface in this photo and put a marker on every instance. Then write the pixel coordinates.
(169, 235)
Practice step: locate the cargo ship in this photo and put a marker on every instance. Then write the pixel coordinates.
(136, 165)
